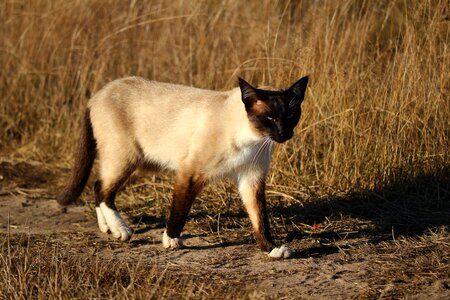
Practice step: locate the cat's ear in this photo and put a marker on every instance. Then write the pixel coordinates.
(299, 88)
(248, 93)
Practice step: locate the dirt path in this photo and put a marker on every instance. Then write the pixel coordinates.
(329, 272)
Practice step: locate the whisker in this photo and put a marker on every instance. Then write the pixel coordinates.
(260, 150)
(270, 147)
(258, 153)
(265, 147)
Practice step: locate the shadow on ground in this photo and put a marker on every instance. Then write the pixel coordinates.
(405, 207)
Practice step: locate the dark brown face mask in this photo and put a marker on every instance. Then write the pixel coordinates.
(274, 113)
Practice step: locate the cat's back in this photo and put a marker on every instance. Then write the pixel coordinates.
(136, 104)
(167, 121)
(132, 91)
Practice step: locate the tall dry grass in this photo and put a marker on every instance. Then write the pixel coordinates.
(372, 144)
(378, 100)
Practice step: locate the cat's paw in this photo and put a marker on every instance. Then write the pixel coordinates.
(114, 223)
(170, 243)
(281, 252)
(101, 220)
(122, 232)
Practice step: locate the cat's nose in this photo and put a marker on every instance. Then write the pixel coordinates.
(284, 136)
(280, 138)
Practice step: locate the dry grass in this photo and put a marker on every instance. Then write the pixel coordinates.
(370, 155)
(46, 267)
(378, 99)
(77, 266)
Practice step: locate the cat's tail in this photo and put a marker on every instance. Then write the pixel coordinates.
(83, 160)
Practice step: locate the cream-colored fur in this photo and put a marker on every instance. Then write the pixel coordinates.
(192, 131)
(175, 127)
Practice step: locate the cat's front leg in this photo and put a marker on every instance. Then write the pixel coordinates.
(187, 186)
(252, 191)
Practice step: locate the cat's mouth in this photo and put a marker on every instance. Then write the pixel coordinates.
(281, 137)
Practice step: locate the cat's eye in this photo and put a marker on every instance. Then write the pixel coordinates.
(268, 118)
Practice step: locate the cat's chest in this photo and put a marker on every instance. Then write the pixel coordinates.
(240, 157)
(256, 155)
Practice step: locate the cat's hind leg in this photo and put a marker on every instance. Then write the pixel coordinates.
(187, 187)
(112, 177)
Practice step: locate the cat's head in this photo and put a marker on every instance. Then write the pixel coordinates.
(274, 113)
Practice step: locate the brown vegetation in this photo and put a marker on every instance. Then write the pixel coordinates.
(367, 172)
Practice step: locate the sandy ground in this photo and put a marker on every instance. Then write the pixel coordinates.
(321, 270)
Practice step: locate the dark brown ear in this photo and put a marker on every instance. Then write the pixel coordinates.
(248, 93)
(299, 88)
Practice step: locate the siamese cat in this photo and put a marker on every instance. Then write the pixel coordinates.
(200, 134)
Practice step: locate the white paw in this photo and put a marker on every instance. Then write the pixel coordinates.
(119, 229)
(281, 252)
(101, 220)
(170, 243)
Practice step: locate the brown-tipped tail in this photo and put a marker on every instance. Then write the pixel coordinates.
(83, 161)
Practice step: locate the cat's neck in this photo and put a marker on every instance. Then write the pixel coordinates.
(244, 133)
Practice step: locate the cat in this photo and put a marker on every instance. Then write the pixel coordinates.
(200, 134)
